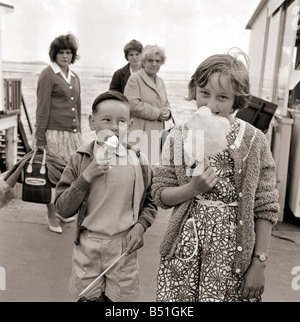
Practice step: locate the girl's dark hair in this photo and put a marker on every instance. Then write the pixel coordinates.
(230, 66)
(68, 41)
(132, 45)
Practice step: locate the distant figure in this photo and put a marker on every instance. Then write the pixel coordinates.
(216, 244)
(147, 95)
(58, 114)
(113, 196)
(132, 52)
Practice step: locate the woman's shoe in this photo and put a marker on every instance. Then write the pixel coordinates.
(54, 229)
(65, 219)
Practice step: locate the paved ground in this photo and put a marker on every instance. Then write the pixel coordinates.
(38, 262)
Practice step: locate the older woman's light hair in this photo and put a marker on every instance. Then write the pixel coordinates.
(150, 51)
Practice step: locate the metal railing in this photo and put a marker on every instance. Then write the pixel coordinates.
(12, 95)
(14, 99)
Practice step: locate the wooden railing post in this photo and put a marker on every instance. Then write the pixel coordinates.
(9, 124)
(11, 146)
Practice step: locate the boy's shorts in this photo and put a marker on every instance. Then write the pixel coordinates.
(94, 255)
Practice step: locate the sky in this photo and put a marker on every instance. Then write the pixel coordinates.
(188, 30)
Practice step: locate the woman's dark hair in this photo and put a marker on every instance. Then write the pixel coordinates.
(68, 41)
(132, 45)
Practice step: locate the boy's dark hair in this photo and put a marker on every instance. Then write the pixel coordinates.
(109, 95)
(68, 41)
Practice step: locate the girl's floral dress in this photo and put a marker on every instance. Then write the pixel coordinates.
(201, 268)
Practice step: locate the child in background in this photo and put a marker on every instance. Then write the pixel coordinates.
(114, 206)
(215, 247)
(132, 52)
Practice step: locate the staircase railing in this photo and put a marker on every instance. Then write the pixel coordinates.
(13, 102)
(26, 113)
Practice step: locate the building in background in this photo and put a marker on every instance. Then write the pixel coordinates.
(13, 140)
(5, 8)
(274, 53)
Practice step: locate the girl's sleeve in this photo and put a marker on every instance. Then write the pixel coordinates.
(266, 204)
(139, 108)
(165, 173)
(44, 92)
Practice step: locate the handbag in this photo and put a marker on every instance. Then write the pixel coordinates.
(36, 184)
(166, 132)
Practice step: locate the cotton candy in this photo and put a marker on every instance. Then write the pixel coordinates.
(206, 135)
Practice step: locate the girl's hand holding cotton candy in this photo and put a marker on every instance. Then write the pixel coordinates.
(206, 137)
(204, 181)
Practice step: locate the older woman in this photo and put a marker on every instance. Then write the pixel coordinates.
(58, 114)
(147, 95)
(132, 52)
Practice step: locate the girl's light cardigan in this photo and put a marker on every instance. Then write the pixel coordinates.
(255, 181)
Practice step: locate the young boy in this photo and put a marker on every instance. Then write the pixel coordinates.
(114, 206)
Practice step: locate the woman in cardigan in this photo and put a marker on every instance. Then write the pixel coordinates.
(58, 114)
(215, 246)
(147, 95)
(132, 52)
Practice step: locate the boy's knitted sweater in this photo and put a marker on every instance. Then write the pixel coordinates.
(255, 181)
(72, 190)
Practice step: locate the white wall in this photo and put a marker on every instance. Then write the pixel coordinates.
(256, 49)
(3, 11)
(1, 78)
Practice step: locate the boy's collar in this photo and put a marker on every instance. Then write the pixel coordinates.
(83, 149)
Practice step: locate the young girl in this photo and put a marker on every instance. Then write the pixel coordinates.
(58, 113)
(132, 52)
(215, 248)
